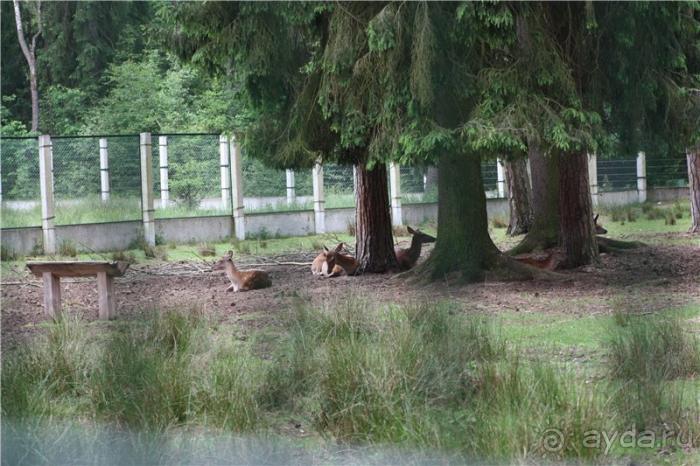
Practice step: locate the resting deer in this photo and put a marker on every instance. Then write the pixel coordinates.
(599, 230)
(242, 281)
(407, 258)
(337, 262)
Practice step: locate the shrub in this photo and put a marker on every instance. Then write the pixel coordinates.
(67, 248)
(7, 254)
(498, 222)
(124, 256)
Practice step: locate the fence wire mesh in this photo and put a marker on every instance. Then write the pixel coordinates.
(616, 174)
(78, 190)
(489, 176)
(669, 172)
(418, 184)
(19, 169)
(193, 174)
(339, 186)
(264, 188)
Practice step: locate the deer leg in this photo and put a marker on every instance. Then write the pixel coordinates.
(231, 287)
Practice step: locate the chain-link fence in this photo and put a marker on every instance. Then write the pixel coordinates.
(19, 168)
(489, 176)
(193, 171)
(79, 193)
(667, 172)
(339, 185)
(616, 174)
(264, 188)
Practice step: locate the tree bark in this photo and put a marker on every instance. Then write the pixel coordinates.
(29, 52)
(693, 156)
(544, 231)
(575, 210)
(374, 236)
(463, 243)
(519, 196)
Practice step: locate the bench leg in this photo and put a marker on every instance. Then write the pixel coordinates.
(52, 295)
(105, 295)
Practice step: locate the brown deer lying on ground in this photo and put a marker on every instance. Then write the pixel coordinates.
(407, 258)
(337, 262)
(242, 281)
(320, 267)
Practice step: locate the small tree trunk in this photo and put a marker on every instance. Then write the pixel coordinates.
(374, 236)
(693, 156)
(463, 243)
(575, 210)
(544, 231)
(29, 52)
(519, 197)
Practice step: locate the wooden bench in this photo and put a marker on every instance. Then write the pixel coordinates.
(53, 271)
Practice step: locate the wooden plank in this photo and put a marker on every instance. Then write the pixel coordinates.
(52, 295)
(78, 268)
(105, 296)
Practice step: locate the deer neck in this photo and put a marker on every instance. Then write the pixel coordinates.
(232, 273)
(414, 250)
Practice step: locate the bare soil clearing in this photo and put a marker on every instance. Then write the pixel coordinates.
(640, 280)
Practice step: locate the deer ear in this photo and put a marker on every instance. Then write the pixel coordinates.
(339, 247)
(595, 219)
(229, 254)
(411, 230)
(325, 249)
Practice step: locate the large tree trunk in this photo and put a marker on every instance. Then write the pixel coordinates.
(29, 52)
(544, 231)
(694, 184)
(374, 237)
(463, 243)
(575, 210)
(519, 196)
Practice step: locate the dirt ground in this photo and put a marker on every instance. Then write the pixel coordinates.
(641, 280)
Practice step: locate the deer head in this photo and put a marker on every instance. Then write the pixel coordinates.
(332, 255)
(599, 230)
(420, 236)
(221, 263)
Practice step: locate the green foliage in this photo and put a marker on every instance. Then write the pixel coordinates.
(187, 184)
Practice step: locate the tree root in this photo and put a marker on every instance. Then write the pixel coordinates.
(532, 243)
(500, 268)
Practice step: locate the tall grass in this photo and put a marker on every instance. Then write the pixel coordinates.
(423, 375)
(155, 375)
(651, 359)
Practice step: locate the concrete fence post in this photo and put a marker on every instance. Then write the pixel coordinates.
(500, 178)
(291, 187)
(104, 170)
(148, 214)
(642, 176)
(47, 199)
(395, 188)
(354, 180)
(164, 171)
(319, 198)
(224, 164)
(593, 178)
(236, 163)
